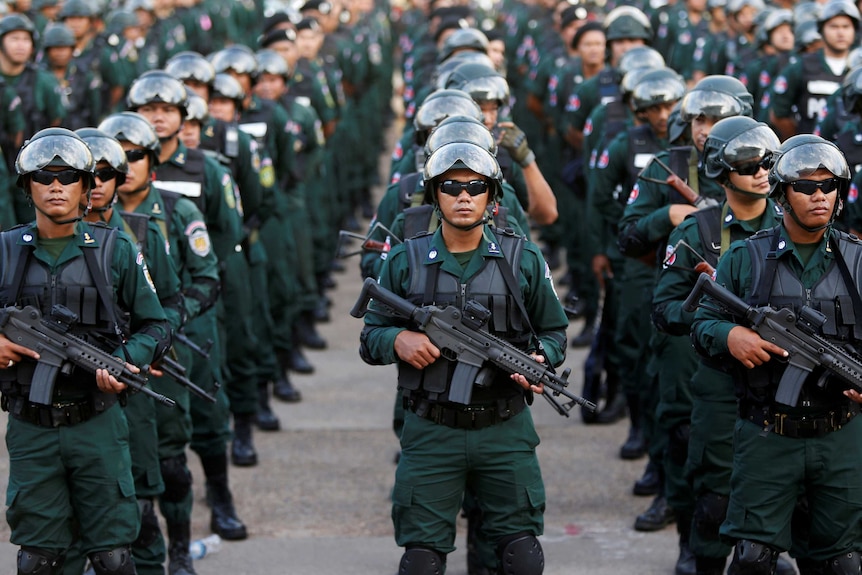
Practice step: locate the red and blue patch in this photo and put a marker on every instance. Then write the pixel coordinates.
(398, 152)
(574, 103)
(780, 85)
(604, 160)
(853, 194)
(588, 127)
(669, 256)
(765, 79)
(634, 195)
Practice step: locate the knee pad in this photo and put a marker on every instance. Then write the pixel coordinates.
(149, 532)
(421, 561)
(677, 446)
(113, 562)
(35, 561)
(177, 478)
(849, 563)
(710, 509)
(521, 555)
(752, 558)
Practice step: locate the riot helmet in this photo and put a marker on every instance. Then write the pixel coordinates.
(271, 62)
(851, 91)
(469, 39)
(834, 8)
(13, 22)
(190, 66)
(660, 86)
(457, 155)
(77, 8)
(624, 22)
(806, 12)
(236, 58)
(198, 110)
(157, 86)
(461, 129)
(445, 69)
(773, 20)
(640, 57)
(716, 97)
(483, 83)
(133, 128)
(55, 147)
(57, 36)
(738, 144)
(228, 87)
(440, 105)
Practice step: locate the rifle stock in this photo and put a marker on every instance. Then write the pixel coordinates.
(806, 349)
(470, 347)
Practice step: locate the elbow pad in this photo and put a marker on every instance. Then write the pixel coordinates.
(206, 297)
(161, 332)
(364, 351)
(634, 244)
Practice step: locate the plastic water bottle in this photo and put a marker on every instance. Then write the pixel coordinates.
(200, 548)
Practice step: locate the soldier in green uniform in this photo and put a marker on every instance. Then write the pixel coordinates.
(112, 167)
(653, 210)
(161, 99)
(62, 455)
(735, 153)
(462, 250)
(776, 41)
(41, 103)
(799, 92)
(191, 251)
(83, 84)
(812, 448)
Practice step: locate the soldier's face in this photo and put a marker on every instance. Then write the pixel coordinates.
(621, 46)
(287, 50)
(812, 210)
(18, 46)
(700, 128)
(591, 48)
(269, 86)
(78, 25)
(658, 116)
(838, 33)
(191, 134)
(490, 110)
(497, 53)
(59, 57)
(782, 38)
(55, 200)
(139, 169)
(463, 209)
(165, 118)
(103, 191)
(756, 184)
(308, 43)
(223, 109)
(198, 88)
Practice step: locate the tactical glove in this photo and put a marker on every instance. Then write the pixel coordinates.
(515, 142)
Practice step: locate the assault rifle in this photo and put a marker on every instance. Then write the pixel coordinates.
(60, 351)
(680, 186)
(798, 336)
(177, 371)
(204, 352)
(459, 338)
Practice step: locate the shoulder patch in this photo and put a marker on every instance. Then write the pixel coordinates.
(633, 196)
(853, 194)
(780, 85)
(199, 238)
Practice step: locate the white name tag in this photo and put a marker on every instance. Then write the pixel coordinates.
(254, 129)
(188, 189)
(822, 87)
(641, 160)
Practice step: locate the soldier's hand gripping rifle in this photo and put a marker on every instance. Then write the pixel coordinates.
(60, 351)
(680, 186)
(798, 336)
(459, 338)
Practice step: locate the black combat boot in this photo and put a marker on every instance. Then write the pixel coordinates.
(295, 359)
(282, 388)
(265, 419)
(306, 332)
(650, 482)
(242, 451)
(635, 446)
(224, 521)
(710, 565)
(179, 559)
(657, 517)
(685, 563)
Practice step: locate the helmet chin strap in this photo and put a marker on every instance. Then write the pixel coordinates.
(731, 186)
(481, 221)
(835, 212)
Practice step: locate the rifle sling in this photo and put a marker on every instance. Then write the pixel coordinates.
(98, 276)
(851, 287)
(18, 278)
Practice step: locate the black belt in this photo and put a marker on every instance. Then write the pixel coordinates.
(469, 416)
(57, 414)
(800, 426)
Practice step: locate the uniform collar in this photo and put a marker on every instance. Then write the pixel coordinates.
(83, 237)
(786, 246)
(771, 217)
(181, 155)
(489, 247)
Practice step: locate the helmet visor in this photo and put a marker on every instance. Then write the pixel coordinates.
(134, 130)
(802, 161)
(461, 155)
(161, 88)
(432, 112)
(710, 104)
(750, 147)
(462, 132)
(108, 150)
(487, 89)
(54, 151)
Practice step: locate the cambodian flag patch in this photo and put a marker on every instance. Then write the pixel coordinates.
(853, 194)
(634, 195)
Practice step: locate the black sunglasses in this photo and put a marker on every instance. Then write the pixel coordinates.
(65, 177)
(753, 167)
(106, 174)
(454, 187)
(136, 155)
(809, 187)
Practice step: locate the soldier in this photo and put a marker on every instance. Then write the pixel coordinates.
(112, 167)
(462, 179)
(61, 456)
(800, 262)
(775, 39)
(653, 210)
(162, 99)
(81, 88)
(41, 103)
(799, 93)
(85, 72)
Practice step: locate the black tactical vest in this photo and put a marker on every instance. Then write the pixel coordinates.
(820, 83)
(830, 296)
(188, 180)
(643, 145)
(25, 280)
(220, 140)
(430, 285)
